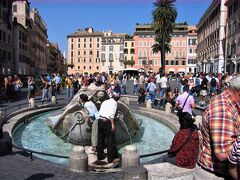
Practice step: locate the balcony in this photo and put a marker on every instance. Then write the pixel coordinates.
(103, 60)
(110, 60)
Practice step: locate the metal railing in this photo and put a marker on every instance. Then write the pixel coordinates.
(31, 152)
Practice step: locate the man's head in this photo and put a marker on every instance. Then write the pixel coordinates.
(234, 87)
(116, 96)
(83, 98)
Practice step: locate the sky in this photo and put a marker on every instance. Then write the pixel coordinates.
(64, 17)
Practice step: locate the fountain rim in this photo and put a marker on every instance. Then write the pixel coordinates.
(142, 111)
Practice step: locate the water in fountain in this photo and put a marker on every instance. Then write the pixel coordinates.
(36, 135)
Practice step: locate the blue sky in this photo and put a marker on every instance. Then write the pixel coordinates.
(63, 17)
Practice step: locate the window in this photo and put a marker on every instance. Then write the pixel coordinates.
(84, 67)
(183, 62)
(103, 48)
(125, 44)
(78, 39)
(172, 62)
(85, 40)
(97, 67)
(121, 48)
(71, 53)
(132, 44)
(72, 39)
(166, 62)
(90, 39)
(84, 53)
(79, 60)
(121, 56)
(90, 60)
(84, 60)
(85, 45)
(103, 57)
(78, 45)
(190, 50)
(79, 53)
(14, 8)
(78, 67)
(110, 48)
(176, 62)
(97, 39)
(90, 67)
(90, 53)
(90, 45)
(97, 53)
(97, 45)
(71, 46)
(111, 57)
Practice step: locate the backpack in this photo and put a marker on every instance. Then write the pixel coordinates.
(213, 82)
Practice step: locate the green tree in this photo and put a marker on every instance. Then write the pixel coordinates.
(164, 17)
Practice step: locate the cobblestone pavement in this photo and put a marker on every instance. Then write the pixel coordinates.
(17, 166)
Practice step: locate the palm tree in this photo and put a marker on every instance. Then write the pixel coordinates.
(164, 17)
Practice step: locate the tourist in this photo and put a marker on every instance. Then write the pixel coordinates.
(93, 117)
(185, 101)
(31, 88)
(135, 85)
(213, 85)
(170, 97)
(44, 88)
(185, 146)
(17, 85)
(141, 95)
(220, 128)
(58, 81)
(124, 84)
(106, 129)
(151, 89)
(6, 90)
(164, 85)
(203, 91)
(141, 80)
(69, 87)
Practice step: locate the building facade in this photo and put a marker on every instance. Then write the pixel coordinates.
(6, 46)
(144, 58)
(192, 63)
(144, 39)
(128, 52)
(112, 52)
(56, 60)
(39, 42)
(211, 37)
(232, 56)
(84, 51)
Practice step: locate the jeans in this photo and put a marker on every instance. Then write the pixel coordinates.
(152, 95)
(162, 96)
(70, 92)
(135, 88)
(124, 89)
(45, 94)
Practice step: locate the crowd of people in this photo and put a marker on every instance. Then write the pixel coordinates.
(219, 94)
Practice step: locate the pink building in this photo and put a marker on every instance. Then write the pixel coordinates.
(150, 62)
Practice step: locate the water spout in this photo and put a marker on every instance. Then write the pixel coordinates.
(120, 117)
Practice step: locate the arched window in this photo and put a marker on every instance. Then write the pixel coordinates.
(172, 62)
(166, 62)
(183, 62)
(176, 62)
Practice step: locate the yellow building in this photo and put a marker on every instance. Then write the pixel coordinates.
(84, 51)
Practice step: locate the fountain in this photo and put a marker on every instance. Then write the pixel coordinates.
(74, 126)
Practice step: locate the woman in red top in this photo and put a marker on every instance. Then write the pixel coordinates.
(185, 146)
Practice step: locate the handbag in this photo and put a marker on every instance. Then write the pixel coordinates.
(180, 111)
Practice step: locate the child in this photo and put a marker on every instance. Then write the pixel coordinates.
(141, 95)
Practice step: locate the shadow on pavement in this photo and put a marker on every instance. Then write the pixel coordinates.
(40, 176)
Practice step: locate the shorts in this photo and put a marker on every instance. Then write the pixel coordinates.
(203, 93)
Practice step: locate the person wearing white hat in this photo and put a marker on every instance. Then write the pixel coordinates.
(106, 129)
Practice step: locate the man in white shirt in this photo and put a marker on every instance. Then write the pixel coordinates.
(106, 129)
(164, 85)
(158, 80)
